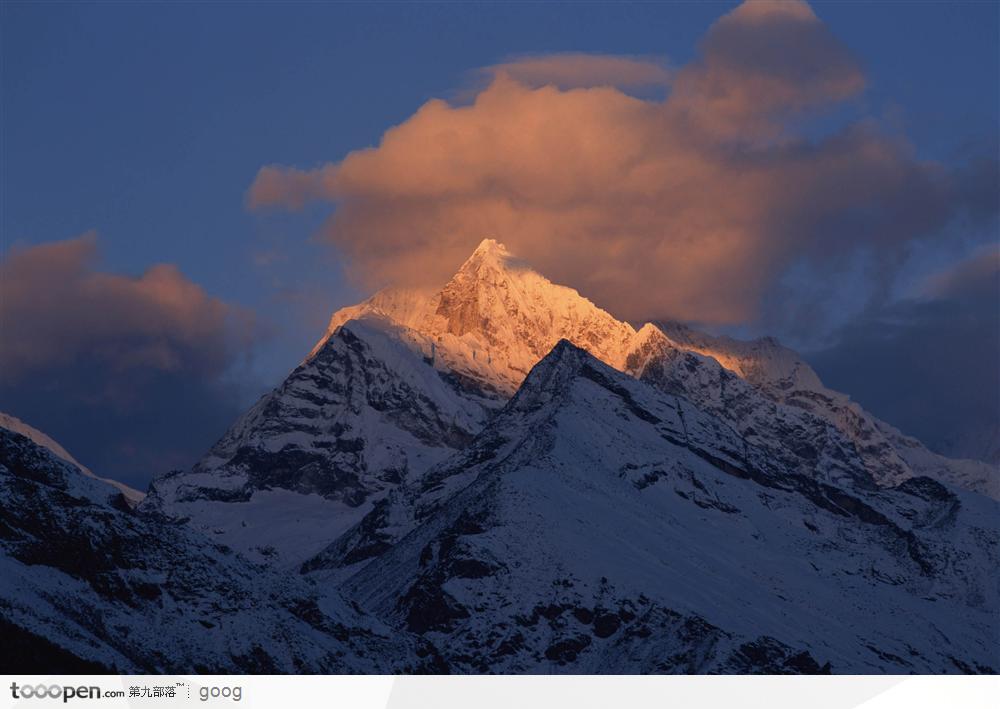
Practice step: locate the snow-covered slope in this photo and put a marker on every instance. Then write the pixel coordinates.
(791, 435)
(600, 525)
(781, 375)
(364, 413)
(88, 585)
(12, 423)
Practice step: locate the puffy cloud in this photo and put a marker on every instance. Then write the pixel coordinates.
(691, 206)
(128, 372)
(56, 310)
(762, 62)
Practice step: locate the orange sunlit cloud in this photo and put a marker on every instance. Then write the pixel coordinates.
(57, 310)
(689, 206)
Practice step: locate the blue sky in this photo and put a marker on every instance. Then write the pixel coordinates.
(147, 122)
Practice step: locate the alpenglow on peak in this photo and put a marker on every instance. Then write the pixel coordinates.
(495, 319)
(490, 245)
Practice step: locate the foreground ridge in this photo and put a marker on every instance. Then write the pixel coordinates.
(86, 585)
(599, 525)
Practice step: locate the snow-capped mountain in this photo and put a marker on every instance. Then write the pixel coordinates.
(496, 318)
(397, 384)
(87, 585)
(131, 496)
(406, 378)
(600, 525)
(504, 471)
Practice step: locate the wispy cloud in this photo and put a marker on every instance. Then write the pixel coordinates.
(929, 363)
(572, 70)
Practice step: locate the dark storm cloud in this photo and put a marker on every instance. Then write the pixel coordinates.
(126, 372)
(931, 366)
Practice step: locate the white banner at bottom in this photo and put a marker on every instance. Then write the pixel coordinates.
(501, 692)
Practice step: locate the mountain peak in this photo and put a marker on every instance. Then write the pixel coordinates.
(763, 362)
(490, 262)
(549, 378)
(492, 247)
(495, 319)
(564, 357)
(497, 307)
